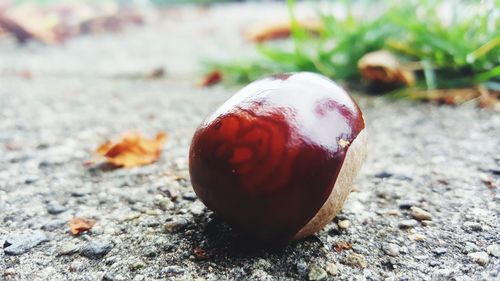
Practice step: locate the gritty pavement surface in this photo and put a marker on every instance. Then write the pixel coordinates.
(426, 204)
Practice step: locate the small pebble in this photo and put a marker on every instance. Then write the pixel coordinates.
(79, 193)
(344, 224)
(262, 263)
(331, 268)
(31, 179)
(301, 266)
(175, 225)
(172, 270)
(136, 265)
(480, 258)
(439, 251)
(356, 260)
(150, 251)
(390, 249)
(420, 214)
(427, 223)
(360, 249)
(113, 277)
(316, 273)
(393, 212)
(55, 208)
(165, 203)
(470, 247)
(76, 266)
(494, 250)
(434, 263)
(67, 249)
(190, 196)
(416, 237)
(407, 224)
(96, 249)
(150, 222)
(197, 208)
(383, 175)
(9, 272)
(18, 244)
(405, 205)
(473, 226)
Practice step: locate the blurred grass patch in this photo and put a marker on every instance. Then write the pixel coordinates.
(455, 44)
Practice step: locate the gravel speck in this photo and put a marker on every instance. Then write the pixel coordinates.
(407, 224)
(55, 208)
(301, 267)
(31, 179)
(9, 272)
(18, 244)
(480, 257)
(439, 251)
(469, 248)
(316, 273)
(172, 270)
(331, 268)
(427, 223)
(344, 224)
(96, 249)
(175, 225)
(191, 196)
(390, 249)
(136, 265)
(473, 226)
(109, 276)
(420, 214)
(416, 237)
(494, 250)
(76, 266)
(67, 249)
(383, 175)
(165, 203)
(197, 208)
(356, 260)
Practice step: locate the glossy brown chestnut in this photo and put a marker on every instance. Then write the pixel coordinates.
(278, 158)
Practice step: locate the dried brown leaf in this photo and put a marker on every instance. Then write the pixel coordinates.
(133, 150)
(342, 246)
(200, 254)
(383, 67)
(56, 23)
(211, 79)
(445, 96)
(489, 98)
(79, 225)
(282, 30)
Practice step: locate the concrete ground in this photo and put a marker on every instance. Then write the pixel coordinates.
(150, 226)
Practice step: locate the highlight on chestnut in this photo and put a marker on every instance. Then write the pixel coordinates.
(278, 158)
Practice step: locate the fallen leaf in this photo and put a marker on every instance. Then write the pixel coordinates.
(79, 225)
(383, 67)
(489, 98)
(211, 79)
(200, 254)
(281, 30)
(445, 96)
(12, 27)
(58, 22)
(133, 150)
(341, 246)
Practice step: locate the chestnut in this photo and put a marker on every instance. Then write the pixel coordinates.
(279, 157)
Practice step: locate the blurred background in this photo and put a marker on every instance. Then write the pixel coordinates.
(415, 49)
